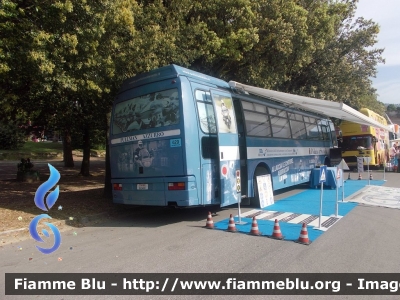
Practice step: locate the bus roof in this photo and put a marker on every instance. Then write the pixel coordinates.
(374, 116)
(169, 72)
(327, 108)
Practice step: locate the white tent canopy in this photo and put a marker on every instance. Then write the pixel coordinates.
(327, 108)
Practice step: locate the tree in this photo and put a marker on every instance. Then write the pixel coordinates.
(11, 136)
(311, 48)
(391, 107)
(15, 70)
(224, 31)
(277, 39)
(74, 53)
(369, 101)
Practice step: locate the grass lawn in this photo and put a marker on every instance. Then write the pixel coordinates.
(39, 147)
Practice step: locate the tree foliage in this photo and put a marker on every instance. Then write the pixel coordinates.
(75, 51)
(391, 107)
(312, 48)
(11, 136)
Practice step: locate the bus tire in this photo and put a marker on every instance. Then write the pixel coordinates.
(255, 201)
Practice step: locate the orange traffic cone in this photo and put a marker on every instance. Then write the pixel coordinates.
(210, 222)
(303, 238)
(359, 176)
(370, 176)
(231, 225)
(276, 233)
(254, 227)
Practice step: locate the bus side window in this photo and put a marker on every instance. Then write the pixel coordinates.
(280, 127)
(256, 119)
(313, 132)
(257, 124)
(206, 117)
(206, 112)
(202, 95)
(325, 135)
(279, 123)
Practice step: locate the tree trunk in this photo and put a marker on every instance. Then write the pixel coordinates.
(67, 149)
(107, 180)
(85, 167)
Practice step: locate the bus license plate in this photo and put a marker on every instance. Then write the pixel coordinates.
(142, 186)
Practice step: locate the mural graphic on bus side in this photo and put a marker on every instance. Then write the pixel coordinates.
(228, 177)
(296, 169)
(151, 155)
(225, 114)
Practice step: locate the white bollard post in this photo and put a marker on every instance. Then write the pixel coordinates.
(337, 198)
(320, 204)
(384, 170)
(240, 222)
(342, 188)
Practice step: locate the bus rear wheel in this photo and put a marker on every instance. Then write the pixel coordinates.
(255, 201)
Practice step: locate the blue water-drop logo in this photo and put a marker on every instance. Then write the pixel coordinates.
(57, 236)
(45, 187)
(40, 203)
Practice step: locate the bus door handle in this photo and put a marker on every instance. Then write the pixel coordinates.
(222, 155)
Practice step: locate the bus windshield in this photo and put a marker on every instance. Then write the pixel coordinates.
(151, 110)
(354, 142)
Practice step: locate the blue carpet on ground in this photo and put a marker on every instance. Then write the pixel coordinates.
(303, 207)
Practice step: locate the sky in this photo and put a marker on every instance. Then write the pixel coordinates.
(386, 14)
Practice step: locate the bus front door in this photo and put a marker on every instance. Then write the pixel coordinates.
(228, 145)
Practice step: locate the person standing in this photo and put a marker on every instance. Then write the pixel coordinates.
(397, 158)
(393, 157)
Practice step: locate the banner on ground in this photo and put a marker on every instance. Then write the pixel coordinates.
(265, 192)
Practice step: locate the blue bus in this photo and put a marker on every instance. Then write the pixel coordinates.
(181, 138)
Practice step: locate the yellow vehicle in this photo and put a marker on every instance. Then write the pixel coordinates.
(365, 141)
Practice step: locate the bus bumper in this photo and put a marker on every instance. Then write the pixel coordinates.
(156, 191)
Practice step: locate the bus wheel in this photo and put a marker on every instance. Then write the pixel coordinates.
(255, 201)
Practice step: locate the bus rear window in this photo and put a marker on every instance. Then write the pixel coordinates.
(148, 111)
